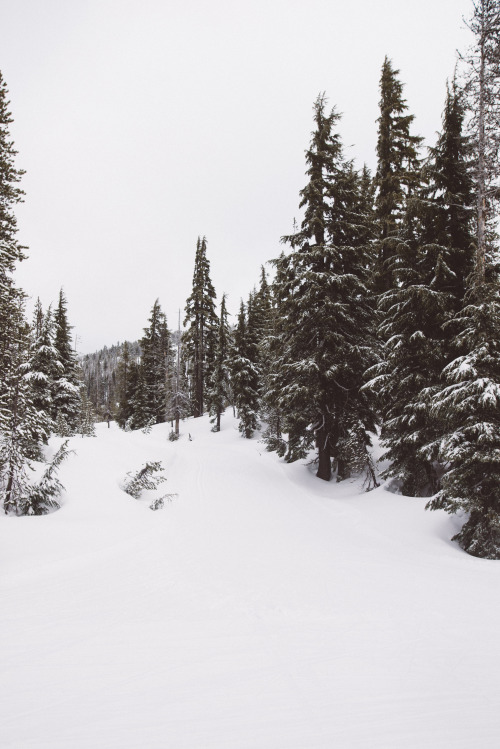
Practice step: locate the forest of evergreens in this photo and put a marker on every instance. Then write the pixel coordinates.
(382, 313)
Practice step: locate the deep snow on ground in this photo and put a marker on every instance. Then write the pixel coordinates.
(260, 609)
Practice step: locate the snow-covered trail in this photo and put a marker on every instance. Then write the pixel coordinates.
(260, 609)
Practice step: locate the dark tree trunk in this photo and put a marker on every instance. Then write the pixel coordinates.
(343, 471)
(8, 504)
(324, 460)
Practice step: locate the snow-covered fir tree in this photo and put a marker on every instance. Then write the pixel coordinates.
(86, 427)
(324, 338)
(125, 385)
(265, 325)
(24, 423)
(150, 397)
(141, 415)
(11, 252)
(263, 315)
(18, 418)
(469, 407)
(37, 319)
(23, 427)
(482, 86)
(202, 324)
(245, 372)
(468, 404)
(178, 403)
(218, 393)
(434, 259)
(397, 171)
(66, 399)
(44, 368)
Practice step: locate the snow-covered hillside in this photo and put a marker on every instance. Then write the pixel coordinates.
(260, 609)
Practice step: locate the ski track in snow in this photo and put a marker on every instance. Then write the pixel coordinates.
(260, 609)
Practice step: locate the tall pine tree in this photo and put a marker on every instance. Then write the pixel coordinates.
(325, 319)
(44, 368)
(66, 400)
(23, 425)
(245, 372)
(11, 252)
(126, 380)
(435, 257)
(218, 394)
(397, 171)
(151, 391)
(469, 402)
(201, 320)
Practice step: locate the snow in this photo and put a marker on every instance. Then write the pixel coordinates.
(260, 609)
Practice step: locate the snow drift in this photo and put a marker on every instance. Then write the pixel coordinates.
(261, 608)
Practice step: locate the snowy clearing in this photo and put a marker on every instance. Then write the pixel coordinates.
(260, 609)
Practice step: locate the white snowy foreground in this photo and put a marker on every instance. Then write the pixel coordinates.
(260, 609)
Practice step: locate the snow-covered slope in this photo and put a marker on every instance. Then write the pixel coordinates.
(260, 609)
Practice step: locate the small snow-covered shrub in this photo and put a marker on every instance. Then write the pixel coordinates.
(144, 478)
(61, 428)
(157, 504)
(173, 436)
(147, 427)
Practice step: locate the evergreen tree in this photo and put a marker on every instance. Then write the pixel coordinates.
(218, 395)
(273, 355)
(483, 90)
(156, 355)
(87, 415)
(469, 406)
(201, 319)
(397, 171)
(446, 204)
(325, 339)
(435, 254)
(131, 392)
(141, 415)
(37, 319)
(263, 314)
(11, 252)
(469, 402)
(123, 378)
(66, 398)
(167, 350)
(178, 401)
(265, 327)
(20, 423)
(245, 372)
(43, 370)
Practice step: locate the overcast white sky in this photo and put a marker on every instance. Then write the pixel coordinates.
(142, 124)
